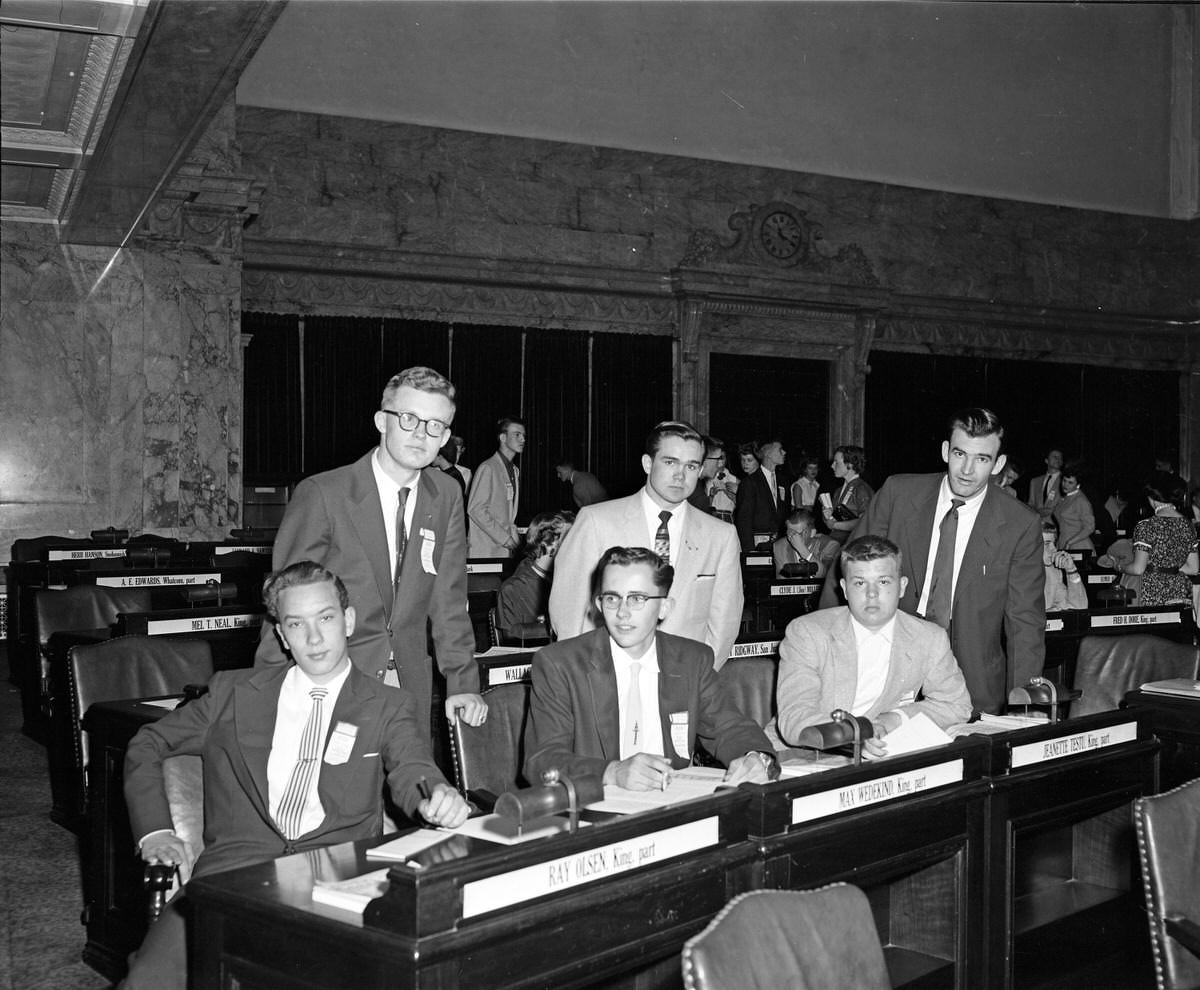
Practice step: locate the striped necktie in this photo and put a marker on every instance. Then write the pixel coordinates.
(295, 796)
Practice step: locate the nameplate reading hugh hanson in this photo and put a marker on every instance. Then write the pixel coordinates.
(600, 863)
(155, 580)
(1136, 619)
(85, 554)
(1072, 745)
(202, 623)
(890, 788)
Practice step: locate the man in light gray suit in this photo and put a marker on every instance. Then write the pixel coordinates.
(867, 657)
(703, 550)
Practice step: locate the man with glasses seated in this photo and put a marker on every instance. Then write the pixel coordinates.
(392, 527)
(627, 702)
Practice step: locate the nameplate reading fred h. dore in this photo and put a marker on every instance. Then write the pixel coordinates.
(113, 552)
(202, 623)
(598, 863)
(156, 580)
(1119, 619)
(1075, 744)
(891, 787)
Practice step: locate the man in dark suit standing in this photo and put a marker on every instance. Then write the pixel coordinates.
(762, 497)
(627, 702)
(295, 758)
(392, 527)
(972, 557)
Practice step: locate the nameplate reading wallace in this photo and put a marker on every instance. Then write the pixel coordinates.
(767, 648)
(202, 623)
(599, 863)
(85, 554)
(795, 589)
(514, 673)
(1121, 619)
(155, 580)
(1073, 745)
(876, 791)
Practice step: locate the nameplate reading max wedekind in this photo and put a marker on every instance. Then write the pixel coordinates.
(891, 787)
(156, 580)
(599, 863)
(203, 623)
(1075, 744)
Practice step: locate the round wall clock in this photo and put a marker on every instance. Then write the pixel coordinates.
(780, 235)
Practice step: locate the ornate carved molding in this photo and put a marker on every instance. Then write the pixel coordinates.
(204, 208)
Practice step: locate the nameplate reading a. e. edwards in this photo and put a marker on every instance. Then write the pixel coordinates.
(155, 580)
(865, 792)
(203, 623)
(85, 554)
(565, 872)
(1137, 619)
(1075, 744)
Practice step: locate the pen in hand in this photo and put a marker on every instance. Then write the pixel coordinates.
(423, 787)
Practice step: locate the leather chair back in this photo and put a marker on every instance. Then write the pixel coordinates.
(132, 667)
(488, 758)
(749, 685)
(1168, 834)
(1110, 666)
(85, 606)
(821, 939)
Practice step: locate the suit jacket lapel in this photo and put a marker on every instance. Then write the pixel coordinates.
(424, 512)
(674, 696)
(986, 533)
(366, 515)
(898, 659)
(845, 662)
(255, 707)
(920, 512)
(350, 706)
(603, 684)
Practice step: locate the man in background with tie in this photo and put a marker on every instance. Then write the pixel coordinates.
(627, 702)
(972, 557)
(495, 493)
(392, 527)
(702, 550)
(295, 758)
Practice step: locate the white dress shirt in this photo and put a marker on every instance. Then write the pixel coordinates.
(389, 498)
(291, 715)
(650, 734)
(874, 662)
(968, 512)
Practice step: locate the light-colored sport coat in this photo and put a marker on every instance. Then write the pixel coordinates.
(818, 672)
(708, 582)
(492, 509)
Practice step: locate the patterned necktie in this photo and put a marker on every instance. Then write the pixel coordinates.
(401, 535)
(940, 608)
(295, 796)
(662, 538)
(633, 714)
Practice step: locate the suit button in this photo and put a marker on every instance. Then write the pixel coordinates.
(379, 674)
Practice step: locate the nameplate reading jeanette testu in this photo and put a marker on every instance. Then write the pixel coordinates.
(1073, 745)
(767, 648)
(599, 863)
(156, 580)
(84, 554)
(1120, 619)
(876, 791)
(203, 623)
(795, 589)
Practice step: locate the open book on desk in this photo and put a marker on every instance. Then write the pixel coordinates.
(682, 785)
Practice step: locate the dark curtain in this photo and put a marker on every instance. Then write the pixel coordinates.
(343, 382)
(632, 381)
(406, 343)
(271, 422)
(485, 366)
(1111, 419)
(556, 417)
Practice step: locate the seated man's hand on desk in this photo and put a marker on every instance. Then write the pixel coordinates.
(170, 850)
(753, 768)
(471, 708)
(884, 723)
(444, 807)
(640, 772)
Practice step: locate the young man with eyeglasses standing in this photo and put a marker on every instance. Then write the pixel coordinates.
(702, 550)
(391, 526)
(627, 702)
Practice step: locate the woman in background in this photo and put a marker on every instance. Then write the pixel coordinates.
(1164, 545)
(523, 600)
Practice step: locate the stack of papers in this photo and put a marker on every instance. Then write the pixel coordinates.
(353, 894)
(1181, 687)
(683, 785)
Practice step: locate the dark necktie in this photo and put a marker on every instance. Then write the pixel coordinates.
(940, 608)
(662, 538)
(401, 534)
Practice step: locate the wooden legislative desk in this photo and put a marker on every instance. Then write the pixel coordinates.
(1175, 721)
(570, 911)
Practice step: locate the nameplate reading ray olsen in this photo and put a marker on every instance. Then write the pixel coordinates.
(1072, 745)
(113, 552)
(890, 788)
(204, 623)
(551, 876)
(155, 580)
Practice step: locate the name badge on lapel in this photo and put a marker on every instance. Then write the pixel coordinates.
(680, 737)
(341, 742)
(427, 545)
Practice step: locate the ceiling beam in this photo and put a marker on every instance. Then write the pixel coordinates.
(184, 66)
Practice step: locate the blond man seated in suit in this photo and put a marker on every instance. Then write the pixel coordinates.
(867, 657)
(627, 702)
(295, 758)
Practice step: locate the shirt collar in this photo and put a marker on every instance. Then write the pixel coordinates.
(385, 483)
(863, 635)
(303, 683)
(648, 660)
(651, 508)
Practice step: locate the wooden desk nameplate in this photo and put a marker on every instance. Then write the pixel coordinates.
(801, 588)
(761, 648)
(1171, 616)
(85, 553)
(1046, 746)
(189, 621)
(149, 579)
(512, 668)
